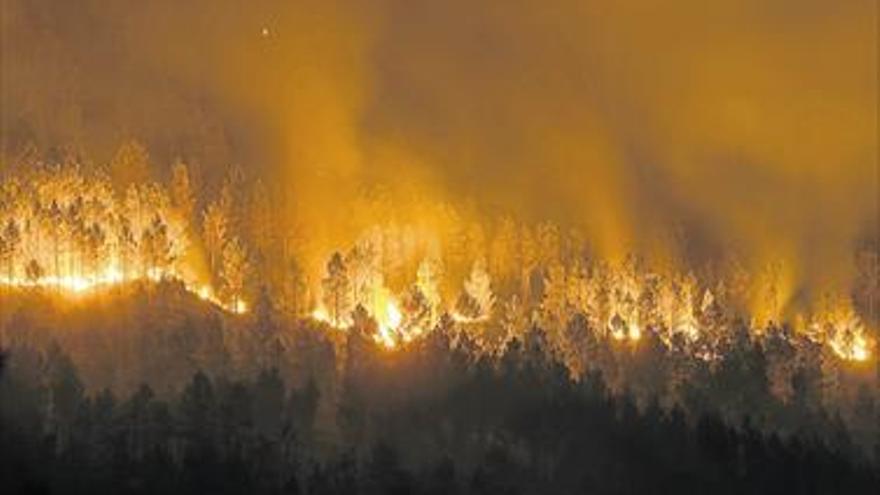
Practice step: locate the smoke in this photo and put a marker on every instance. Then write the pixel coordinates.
(749, 124)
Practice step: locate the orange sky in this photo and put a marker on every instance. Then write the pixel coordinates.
(751, 122)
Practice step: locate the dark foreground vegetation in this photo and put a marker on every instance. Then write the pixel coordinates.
(275, 407)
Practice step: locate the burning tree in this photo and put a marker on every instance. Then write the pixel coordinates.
(214, 227)
(234, 273)
(337, 291)
(477, 300)
(182, 197)
(81, 234)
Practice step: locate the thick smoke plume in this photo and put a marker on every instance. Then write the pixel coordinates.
(742, 125)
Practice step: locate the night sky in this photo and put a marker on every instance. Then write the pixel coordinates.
(751, 123)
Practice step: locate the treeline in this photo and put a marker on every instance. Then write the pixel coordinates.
(72, 222)
(518, 352)
(433, 420)
(161, 334)
(62, 214)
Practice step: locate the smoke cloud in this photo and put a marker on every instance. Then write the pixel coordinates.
(751, 124)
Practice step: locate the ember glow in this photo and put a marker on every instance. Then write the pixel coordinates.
(71, 233)
(67, 232)
(532, 166)
(317, 244)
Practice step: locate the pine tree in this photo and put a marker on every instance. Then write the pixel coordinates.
(554, 305)
(527, 260)
(10, 241)
(214, 233)
(34, 271)
(337, 290)
(293, 290)
(156, 249)
(127, 246)
(428, 279)
(475, 241)
(548, 243)
(130, 165)
(268, 403)
(514, 321)
(478, 287)
(503, 252)
(182, 197)
(261, 219)
(235, 271)
(417, 312)
(95, 243)
(65, 394)
(365, 275)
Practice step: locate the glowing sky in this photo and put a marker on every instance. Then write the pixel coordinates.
(748, 122)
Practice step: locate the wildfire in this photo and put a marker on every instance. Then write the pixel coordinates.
(856, 349)
(385, 312)
(460, 318)
(74, 233)
(321, 314)
(621, 330)
(68, 283)
(850, 343)
(112, 276)
(843, 331)
(389, 320)
(239, 307)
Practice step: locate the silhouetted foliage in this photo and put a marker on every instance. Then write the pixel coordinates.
(435, 419)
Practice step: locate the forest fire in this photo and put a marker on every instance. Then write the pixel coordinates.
(74, 285)
(453, 247)
(75, 234)
(389, 322)
(856, 348)
(68, 283)
(850, 342)
(621, 330)
(385, 313)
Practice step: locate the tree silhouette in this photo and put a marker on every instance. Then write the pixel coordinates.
(337, 290)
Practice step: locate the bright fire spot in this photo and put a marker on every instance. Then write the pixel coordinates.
(689, 329)
(239, 307)
(460, 318)
(69, 283)
(845, 334)
(389, 319)
(322, 315)
(854, 348)
(635, 333)
(112, 276)
(385, 312)
(620, 330)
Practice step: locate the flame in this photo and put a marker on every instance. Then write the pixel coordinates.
(385, 312)
(239, 307)
(321, 314)
(460, 318)
(111, 276)
(635, 333)
(843, 331)
(620, 330)
(389, 320)
(69, 283)
(689, 329)
(853, 346)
